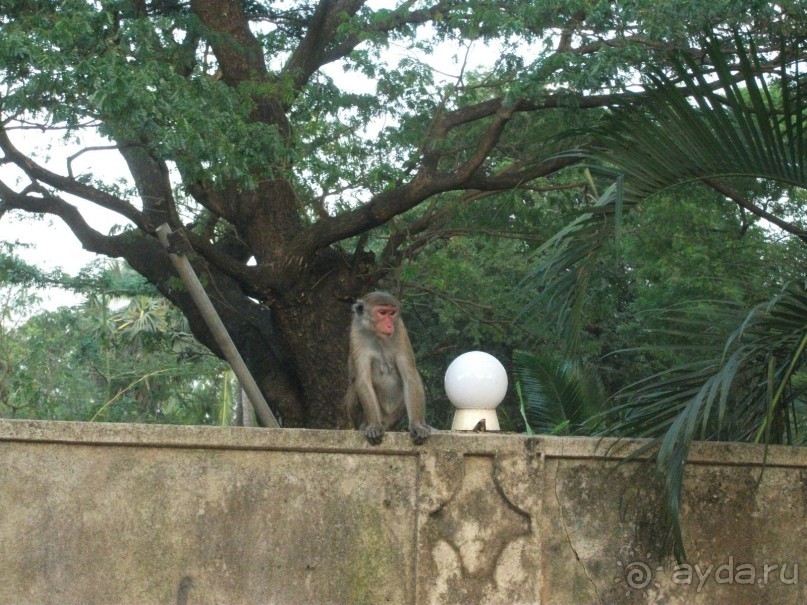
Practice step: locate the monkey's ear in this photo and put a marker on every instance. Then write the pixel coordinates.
(358, 308)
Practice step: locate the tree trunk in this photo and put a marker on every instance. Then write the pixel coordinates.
(315, 326)
(318, 336)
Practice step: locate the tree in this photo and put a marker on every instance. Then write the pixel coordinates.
(296, 191)
(744, 379)
(124, 354)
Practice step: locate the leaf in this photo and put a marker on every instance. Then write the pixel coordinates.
(709, 118)
(559, 396)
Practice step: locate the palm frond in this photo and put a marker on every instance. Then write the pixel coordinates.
(747, 393)
(560, 396)
(695, 124)
(723, 116)
(691, 125)
(566, 261)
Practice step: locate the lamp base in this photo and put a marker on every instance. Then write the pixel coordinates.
(467, 419)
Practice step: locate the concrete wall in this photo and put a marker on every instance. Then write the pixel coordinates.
(128, 514)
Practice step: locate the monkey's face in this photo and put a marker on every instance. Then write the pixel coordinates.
(383, 318)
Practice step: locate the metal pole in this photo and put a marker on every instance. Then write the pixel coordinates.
(218, 330)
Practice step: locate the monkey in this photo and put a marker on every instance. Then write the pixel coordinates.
(383, 381)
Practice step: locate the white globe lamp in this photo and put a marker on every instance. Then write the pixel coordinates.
(475, 382)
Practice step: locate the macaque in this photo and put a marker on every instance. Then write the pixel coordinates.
(383, 381)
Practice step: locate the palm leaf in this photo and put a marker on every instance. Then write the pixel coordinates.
(566, 262)
(685, 129)
(746, 393)
(709, 119)
(560, 396)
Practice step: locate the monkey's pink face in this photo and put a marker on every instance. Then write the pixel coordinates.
(384, 320)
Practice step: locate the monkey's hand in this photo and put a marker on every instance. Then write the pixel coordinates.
(419, 432)
(374, 433)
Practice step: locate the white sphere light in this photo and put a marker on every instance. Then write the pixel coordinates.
(476, 380)
(475, 383)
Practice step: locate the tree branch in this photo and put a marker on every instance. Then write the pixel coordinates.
(68, 185)
(431, 219)
(465, 307)
(744, 203)
(90, 239)
(399, 18)
(238, 52)
(154, 186)
(308, 56)
(252, 279)
(472, 113)
(392, 203)
(427, 181)
(240, 56)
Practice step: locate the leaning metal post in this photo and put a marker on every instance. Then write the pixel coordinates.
(217, 328)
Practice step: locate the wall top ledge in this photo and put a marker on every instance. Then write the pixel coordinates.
(395, 443)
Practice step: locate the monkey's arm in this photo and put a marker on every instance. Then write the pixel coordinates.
(413, 393)
(365, 392)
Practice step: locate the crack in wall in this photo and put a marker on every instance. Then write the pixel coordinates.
(569, 537)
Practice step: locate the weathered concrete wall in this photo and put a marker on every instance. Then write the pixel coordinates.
(123, 514)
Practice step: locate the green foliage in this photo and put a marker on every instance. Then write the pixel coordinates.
(566, 262)
(725, 373)
(745, 128)
(456, 302)
(149, 78)
(750, 389)
(82, 63)
(460, 295)
(123, 355)
(560, 396)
